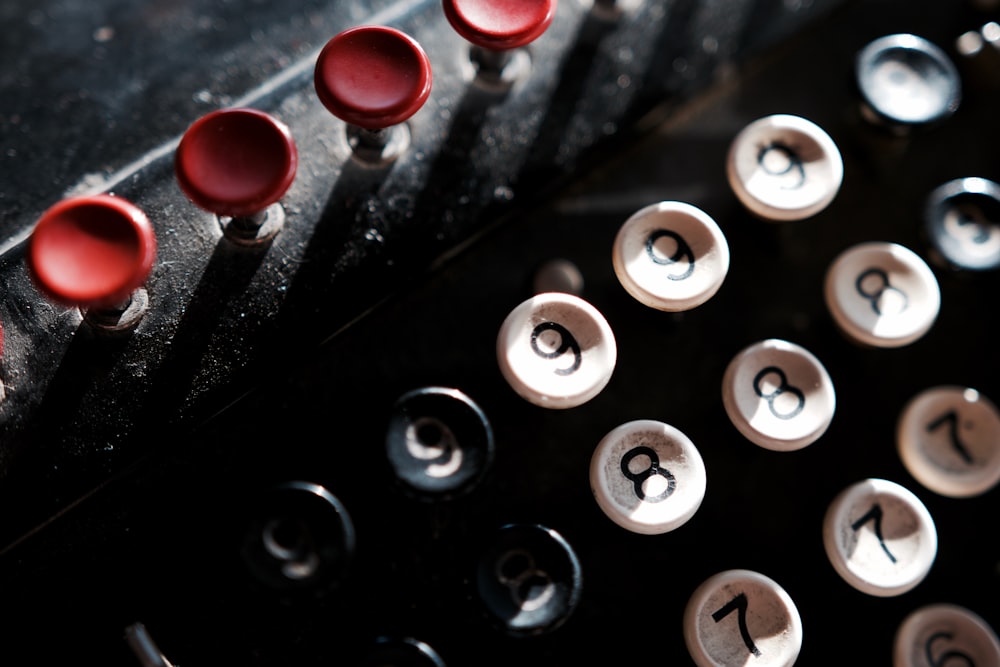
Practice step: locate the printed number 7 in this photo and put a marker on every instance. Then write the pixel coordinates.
(951, 419)
(739, 603)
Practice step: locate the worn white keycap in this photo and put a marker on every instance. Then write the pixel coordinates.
(879, 537)
(778, 395)
(784, 167)
(647, 476)
(939, 635)
(556, 350)
(741, 617)
(949, 439)
(882, 294)
(671, 256)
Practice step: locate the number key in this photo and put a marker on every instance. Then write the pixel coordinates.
(556, 350)
(529, 579)
(671, 256)
(945, 635)
(778, 395)
(647, 477)
(741, 617)
(879, 537)
(784, 168)
(882, 294)
(439, 442)
(949, 439)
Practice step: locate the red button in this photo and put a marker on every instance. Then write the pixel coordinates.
(500, 24)
(91, 252)
(373, 77)
(236, 162)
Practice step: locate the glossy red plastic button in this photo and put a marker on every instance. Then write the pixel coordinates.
(500, 24)
(91, 252)
(373, 77)
(236, 162)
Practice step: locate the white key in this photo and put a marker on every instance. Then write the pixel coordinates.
(882, 294)
(778, 395)
(647, 476)
(784, 167)
(740, 617)
(949, 439)
(939, 635)
(879, 537)
(556, 350)
(671, 256)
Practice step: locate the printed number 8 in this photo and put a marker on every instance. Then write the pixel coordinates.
(782, 388)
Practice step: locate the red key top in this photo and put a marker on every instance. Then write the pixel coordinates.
(91, 252)
(373, 77)
(500, 24)
(236, 162)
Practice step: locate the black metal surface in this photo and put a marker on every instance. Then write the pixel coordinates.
(161, 544)
(222, 318)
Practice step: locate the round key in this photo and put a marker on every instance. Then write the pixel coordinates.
(300, 539)
(500, 24)
(91, 252)
(879, 537)
(404, 652)
(373, 77)
(962, 220)
(906, 81)
(671, 256)
(939, 635)
(778, 395)
(882, 294)
(741, 617)
(439, 442)
(556, 350)
(236, 162)
(949, 439)
(529, 579)
(648, 477)
(784, 167)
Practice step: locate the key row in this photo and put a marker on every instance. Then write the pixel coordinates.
(528, 579)
(96, 252)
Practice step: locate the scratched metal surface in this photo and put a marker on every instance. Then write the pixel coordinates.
(224, 318)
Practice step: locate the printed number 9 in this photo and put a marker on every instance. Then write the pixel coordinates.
(553, 350)
(946, 658)
(778, 159)
(683, 252)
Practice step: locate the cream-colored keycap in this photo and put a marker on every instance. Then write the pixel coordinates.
(647, 476)
(556, 350)
(938, 635)
(882, 294)
(879, 537)
(778, 395)
(949, 439)
(784, 167)
(671, 256)
(741, 617)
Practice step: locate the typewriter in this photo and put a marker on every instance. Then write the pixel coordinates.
(486, 333)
